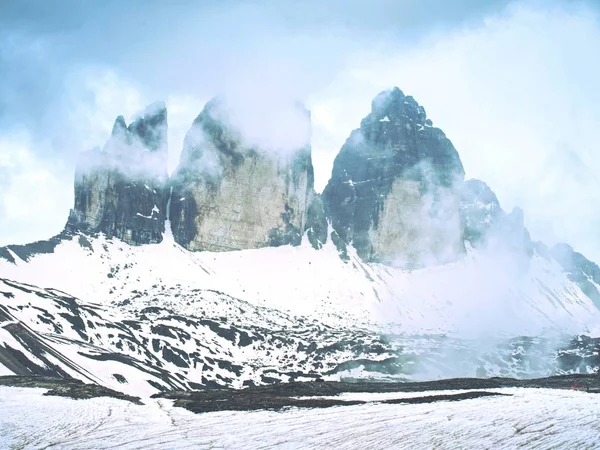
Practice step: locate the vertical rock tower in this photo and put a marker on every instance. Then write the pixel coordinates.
(120, 190)
(233, 192)
(395, 189)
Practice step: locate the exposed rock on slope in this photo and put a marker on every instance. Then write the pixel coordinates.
(316, 222)
(579, 269)
(230, 194)
(395, 188)
(485, 223)
(120, 189)
(165, 318)
(480, 209)
(27, 251)
(65, 387)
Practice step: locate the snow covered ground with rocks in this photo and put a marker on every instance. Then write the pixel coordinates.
(155, 317)
(529, 418)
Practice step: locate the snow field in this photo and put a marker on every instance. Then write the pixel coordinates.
(530, 418)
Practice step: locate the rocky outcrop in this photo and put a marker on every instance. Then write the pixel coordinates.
(65, 387)
(579, 269)
(394, 193)
(120, 189)
(479, 210)
(316, 222)
(231, 194)
(25, 252)
(485, 223)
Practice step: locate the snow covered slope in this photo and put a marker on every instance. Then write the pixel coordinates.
(483, 293)
(156, 316)
(148, 318)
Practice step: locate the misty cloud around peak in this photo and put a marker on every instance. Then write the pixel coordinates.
(138, 150)
(267, 123)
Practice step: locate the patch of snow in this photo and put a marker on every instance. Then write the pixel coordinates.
(530, 418)
(4, 371)
(385, 119)
(14, 256)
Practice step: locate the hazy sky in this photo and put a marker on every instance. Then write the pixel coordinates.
(512, 84)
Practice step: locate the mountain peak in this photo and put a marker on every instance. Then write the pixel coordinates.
(120, 190)
(394, 107)
(119, 127)
(388, 173)
(151, 127)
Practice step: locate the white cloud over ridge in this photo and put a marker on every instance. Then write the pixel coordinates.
(512, 87)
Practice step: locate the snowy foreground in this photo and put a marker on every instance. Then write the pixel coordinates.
(530, 418)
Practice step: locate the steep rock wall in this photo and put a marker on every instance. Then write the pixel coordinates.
(232, 195)
(120, 189)
(395, 188)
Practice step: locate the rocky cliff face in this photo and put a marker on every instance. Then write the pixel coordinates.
(229, 194)
(316, 222)
(395, 188)
(485, 223)
(396, 193)
(120, 189)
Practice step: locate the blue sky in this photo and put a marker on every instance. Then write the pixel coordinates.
(512, 84)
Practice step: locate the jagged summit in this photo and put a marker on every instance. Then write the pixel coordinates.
(119, 127)
(120, 189)
(389, 105)
(486, 223)
(487, 227)
(148, 131)
(151, 127)
(146, 134)
(394, 192)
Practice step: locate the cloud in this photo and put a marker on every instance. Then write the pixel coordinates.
(31, 191)
(516, 95)
(269, 121)
(512, 85)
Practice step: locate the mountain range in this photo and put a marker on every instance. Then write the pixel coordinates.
(234, 271)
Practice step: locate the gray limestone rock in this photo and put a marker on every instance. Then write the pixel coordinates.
(120, 189)
(394, 193)
(479, 210)
(231, 194)
(485, 223)
(316, 222)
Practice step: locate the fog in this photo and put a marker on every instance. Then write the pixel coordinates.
(259, 118)
(69, 69)
(137, 150)
(512, 84)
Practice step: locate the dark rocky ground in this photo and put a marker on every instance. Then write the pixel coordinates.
(301, 394)
(277, 396)
(252, 399)
(65, 387)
